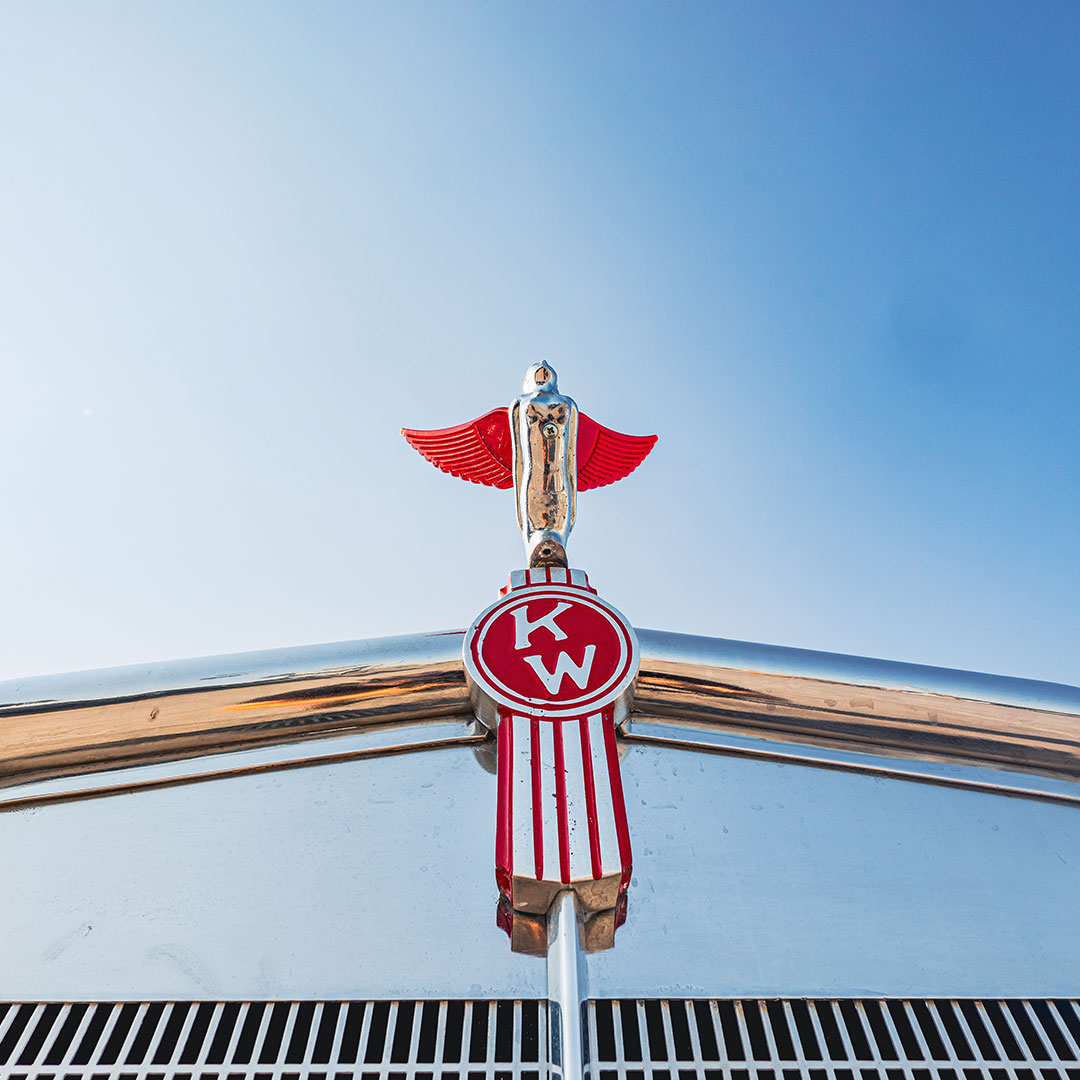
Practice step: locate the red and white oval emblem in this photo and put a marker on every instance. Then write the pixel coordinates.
(551, 650)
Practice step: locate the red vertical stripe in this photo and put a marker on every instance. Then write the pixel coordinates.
(560, 802)
(537, 799)
(590, 798)
(504, 827)
(622, 830)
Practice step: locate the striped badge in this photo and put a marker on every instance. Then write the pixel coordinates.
(561, 817)
(551, 668)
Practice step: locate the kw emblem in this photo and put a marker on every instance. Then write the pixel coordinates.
(552, 680)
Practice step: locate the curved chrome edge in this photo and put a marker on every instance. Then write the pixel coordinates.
(378, 741)
(702, 738)
(95, 723)
(86, 722)
(862, 705)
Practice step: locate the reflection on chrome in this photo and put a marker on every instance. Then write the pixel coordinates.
(117, 723)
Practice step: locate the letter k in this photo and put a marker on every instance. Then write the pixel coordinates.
(523, 628)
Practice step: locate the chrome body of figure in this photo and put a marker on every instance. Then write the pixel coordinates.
(543, 424)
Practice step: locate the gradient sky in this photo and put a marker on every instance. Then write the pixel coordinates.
(828, 252)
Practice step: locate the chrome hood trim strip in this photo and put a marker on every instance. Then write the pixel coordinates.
(85, 723)
(863, 705)
(65, 725)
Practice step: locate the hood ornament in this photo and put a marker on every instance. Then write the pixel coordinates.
(551, 667)
(543, 447)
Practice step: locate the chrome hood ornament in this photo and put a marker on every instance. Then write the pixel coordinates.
(543, 425)
(551, 669)
(546, 449)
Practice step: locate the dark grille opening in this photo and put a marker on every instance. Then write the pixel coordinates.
(304, 1040)
(825, 1039)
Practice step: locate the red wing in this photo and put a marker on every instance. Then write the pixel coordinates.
(605, 456)
(479, 451)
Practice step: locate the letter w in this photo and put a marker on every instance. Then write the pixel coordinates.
(552, 680)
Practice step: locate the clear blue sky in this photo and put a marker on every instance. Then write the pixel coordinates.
(828, 252)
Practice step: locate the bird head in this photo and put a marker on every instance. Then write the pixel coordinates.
(541, 378)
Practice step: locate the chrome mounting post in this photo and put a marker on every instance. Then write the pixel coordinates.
(567, 974)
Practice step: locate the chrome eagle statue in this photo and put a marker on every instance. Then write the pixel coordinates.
(546, 449)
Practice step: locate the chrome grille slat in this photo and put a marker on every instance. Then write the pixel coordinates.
(184, 1034)
(801, 1062)
(27, 1034)
(199, 1065)
(440, 1033)
(695, 1034)
(943, 1033)
(6, 1022)
(898, 1046)
(669, 1037)
(845, 1034)
(286, 1035)
(308, 1051)
(129, 1038)
(365, 1034)
(1065, 1030)
(234, 1037)
(770, 1037)
(77, 1037)
(1040, 1029)
(991, 1031)
(819, 1032)
(103, 1036)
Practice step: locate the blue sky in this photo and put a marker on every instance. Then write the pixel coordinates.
(827, 252)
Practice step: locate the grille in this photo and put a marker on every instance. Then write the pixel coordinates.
(507, 1040)
(398, 1040)
(832, 1040)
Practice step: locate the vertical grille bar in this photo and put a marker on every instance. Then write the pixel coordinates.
(77, 1037)
(15, 1056)
(744, 1033)
(770, 1037)
(695, 1037)
(991, 1032)
(199, 1065)
(440, 1037)
(1040, 1028)
(669, 1037)
(1063, 1027)
(902, 1061)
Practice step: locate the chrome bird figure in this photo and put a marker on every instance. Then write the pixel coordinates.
(544, 447)
(543, 425)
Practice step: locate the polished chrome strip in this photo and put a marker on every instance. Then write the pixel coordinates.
(67, 725)
(700, 737)
(91, 725)
(862, 705)
(388, 739)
